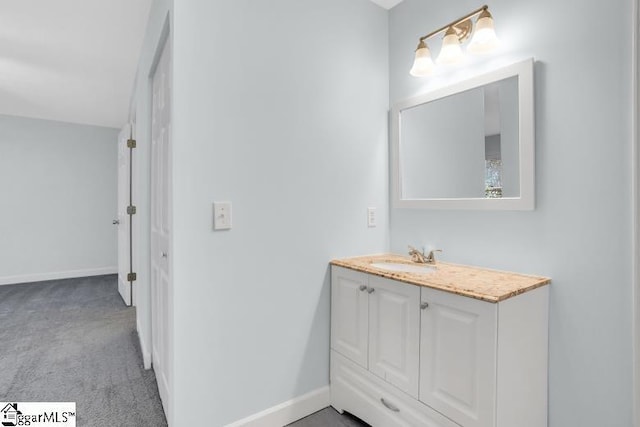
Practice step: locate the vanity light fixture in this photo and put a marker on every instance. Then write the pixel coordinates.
(455, 33)
(423, 64)
(450, 52)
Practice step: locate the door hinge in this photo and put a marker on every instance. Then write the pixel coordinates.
(131, 143)
(131, 210)
(131, 277)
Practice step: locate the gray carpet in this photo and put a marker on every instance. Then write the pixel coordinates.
(74, 341)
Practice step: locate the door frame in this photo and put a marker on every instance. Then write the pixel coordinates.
(128, 133)
(133, 188)
(635, 200)
(167, 359)
(163, 40)
(140, 115)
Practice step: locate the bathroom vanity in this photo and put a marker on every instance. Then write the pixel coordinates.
(441, 346)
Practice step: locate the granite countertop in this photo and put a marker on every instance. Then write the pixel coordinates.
(475, 282)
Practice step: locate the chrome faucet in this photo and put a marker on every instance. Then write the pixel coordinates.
(421, 258)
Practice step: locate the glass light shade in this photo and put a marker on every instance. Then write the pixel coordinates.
(450, 53)
(423, 64)
(484, 37)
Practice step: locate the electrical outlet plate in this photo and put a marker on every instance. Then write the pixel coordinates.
(221, 215)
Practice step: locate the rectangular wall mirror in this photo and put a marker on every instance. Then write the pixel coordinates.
(467, 146)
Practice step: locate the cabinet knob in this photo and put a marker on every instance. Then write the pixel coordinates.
(363, 287)
(371, 290)
(394, 408)
(424, 305)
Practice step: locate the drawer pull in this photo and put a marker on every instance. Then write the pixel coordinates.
(363, 287)
(424, 305)
(389, 405)
(371, 290)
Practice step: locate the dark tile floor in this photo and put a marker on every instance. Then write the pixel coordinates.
(329, 417)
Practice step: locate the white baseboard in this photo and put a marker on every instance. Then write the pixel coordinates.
(289, 411)
(146, 355)
(39, 277)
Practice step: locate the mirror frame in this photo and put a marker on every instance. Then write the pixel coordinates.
(526, 130)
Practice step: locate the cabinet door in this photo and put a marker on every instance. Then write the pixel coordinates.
(394, 332)
(349, 314)
(458, 357)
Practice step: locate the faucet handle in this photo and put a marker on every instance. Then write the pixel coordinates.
(412, 249)
(416, 255)
(431, 256)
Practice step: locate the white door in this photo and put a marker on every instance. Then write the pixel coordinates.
(161, 290)
(458, 357)
(394, 333)
(349, 314)
(122, 221)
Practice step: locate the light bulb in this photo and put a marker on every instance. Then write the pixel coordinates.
(484, 37)
(450, 53)
(423, 64)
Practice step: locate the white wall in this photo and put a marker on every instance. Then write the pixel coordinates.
(57, 200)
(580, 232)
(280, 107)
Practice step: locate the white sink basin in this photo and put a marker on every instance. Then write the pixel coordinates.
(404, 268)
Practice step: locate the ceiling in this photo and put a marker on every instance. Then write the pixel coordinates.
(73, 60)
(387, 4)
(70, 60)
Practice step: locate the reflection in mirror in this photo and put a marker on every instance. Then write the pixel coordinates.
(467, 145)
(501, 139)
(462, 146)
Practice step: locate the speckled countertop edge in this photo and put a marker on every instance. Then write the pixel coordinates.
(474, 282)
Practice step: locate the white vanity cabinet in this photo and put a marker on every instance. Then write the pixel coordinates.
(409, 355)
(375, 322)
(394, 333)
(350, 314)
(375, 339)
(458, 357)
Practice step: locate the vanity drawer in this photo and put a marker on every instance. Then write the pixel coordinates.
(357, 391)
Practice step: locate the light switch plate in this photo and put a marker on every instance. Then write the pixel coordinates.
(372, 217)
(221, 215)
